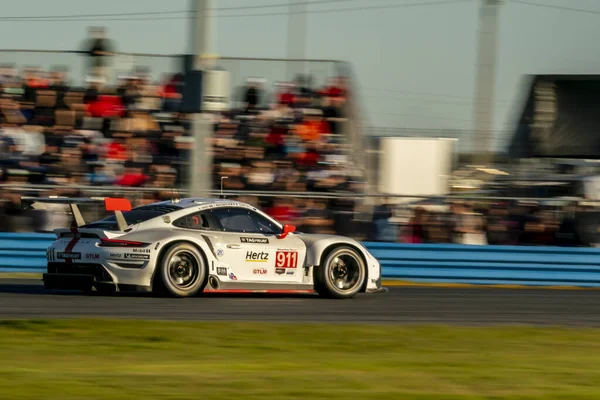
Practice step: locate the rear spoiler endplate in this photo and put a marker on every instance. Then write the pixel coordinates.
(116, 205)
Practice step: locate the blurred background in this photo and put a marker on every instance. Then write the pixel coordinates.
(469, 122)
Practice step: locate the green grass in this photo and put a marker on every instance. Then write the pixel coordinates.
(108, 359)
(19, 275)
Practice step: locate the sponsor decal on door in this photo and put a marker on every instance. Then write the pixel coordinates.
(254, 240)
(286, 259)
(253, 256)
(259, 271)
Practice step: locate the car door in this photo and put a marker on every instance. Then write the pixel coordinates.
(252, 247)
(203, 224)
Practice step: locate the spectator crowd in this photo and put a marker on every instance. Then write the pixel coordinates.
(134, 135)
(488, 222)
(55, 134)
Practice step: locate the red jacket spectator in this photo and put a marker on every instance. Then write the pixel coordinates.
(106, 107)
(116, 151)
(286, 98)
(132, 179)
(283, 213)
(276, 136)
(309, 158)
(335, 89)
(172, 89)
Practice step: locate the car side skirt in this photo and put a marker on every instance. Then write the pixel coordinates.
(214, 284)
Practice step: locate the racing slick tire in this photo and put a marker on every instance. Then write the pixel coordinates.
(182, 270)
(341, 275)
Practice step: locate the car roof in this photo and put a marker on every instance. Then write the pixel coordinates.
(199, 201)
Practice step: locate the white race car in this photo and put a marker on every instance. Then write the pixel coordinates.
(186, 246)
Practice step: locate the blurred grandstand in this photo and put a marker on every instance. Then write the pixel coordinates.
(98, 137)
(295, 148)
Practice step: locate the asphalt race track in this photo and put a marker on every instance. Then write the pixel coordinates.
(467, 306)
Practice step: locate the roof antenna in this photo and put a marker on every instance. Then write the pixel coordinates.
(222, 178)
(175, 199)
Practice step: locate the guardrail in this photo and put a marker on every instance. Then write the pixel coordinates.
(24, 252)
(489, 265)
(478, 265)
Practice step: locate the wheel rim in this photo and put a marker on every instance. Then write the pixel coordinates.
(345, 271)
(183, 269)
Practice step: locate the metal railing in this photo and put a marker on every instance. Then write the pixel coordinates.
(358, 215)
(158, 65)
(367, 198)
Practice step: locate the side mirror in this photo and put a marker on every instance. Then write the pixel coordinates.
(287, 229)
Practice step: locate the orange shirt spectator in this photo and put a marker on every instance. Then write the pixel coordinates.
(312, 129)
(37, 83)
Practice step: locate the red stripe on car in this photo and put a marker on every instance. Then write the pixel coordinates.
(72, 244)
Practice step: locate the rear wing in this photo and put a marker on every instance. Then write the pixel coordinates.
(116, 205)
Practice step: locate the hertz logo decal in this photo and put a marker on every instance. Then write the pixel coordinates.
(252, 256)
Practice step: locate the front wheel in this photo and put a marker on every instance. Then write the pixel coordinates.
(341, 275)
(182, 270)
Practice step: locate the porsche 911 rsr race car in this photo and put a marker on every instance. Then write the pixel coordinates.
(186, 246)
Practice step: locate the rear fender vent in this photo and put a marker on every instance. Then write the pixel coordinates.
(130, 265)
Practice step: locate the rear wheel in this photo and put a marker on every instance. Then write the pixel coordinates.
(341, 275)
(182, 270)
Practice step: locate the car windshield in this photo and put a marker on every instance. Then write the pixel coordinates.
(135, 216)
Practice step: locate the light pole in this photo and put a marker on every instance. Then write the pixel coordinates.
(296, 40)
(200, 163)
(486, 79)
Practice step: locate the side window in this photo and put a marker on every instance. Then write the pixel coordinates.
(244, 220)
(235, 220)
(265, 225)
(198, 220)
